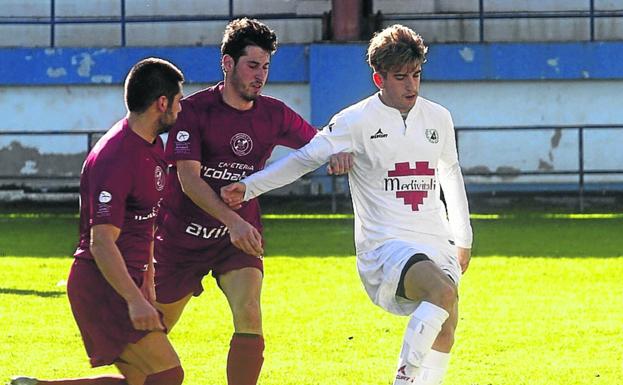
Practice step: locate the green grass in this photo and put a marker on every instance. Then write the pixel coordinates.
(526, 318)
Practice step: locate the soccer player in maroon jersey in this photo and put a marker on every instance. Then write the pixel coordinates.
(224, 133)
(111, 283)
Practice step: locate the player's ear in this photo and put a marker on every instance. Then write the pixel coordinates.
(378, 79)
(162, 103)
(227, 63)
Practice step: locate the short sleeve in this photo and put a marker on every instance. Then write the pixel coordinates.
(184, 141)
(296, 132)
(110, 185)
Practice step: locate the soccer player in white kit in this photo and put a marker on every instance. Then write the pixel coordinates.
(411, 249)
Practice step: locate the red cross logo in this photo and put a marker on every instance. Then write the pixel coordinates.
(412, 198)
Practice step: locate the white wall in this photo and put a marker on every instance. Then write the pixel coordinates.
(506, 103)
(500, 103)
(91, 107)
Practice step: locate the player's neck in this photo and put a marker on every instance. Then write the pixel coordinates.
(234, 100)
(143, 125)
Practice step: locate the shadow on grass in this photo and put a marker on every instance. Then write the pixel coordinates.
(38, 293)
(518, 236)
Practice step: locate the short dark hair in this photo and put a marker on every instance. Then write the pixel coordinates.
(394, 47)
(150, 79)
(244, 32)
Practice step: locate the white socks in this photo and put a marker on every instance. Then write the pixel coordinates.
(433, 368)
(422, 330)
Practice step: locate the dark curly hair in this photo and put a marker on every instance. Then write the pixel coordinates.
(244, 32)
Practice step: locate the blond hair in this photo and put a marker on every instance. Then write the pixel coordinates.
(395, 47)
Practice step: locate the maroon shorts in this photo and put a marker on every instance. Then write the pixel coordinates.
(101, 314)
(179, 272)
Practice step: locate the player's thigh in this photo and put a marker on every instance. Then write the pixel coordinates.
(172, 312)
(241, 285)
(424, 280)
(151, 354)
(243, 289)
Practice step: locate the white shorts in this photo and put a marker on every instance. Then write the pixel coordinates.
(380, 270)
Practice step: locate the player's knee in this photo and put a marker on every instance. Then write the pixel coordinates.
(249, 313)
(173, 376)
(445, 295)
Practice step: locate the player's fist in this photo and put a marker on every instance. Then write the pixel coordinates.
(245, 237)
(340, 163)
(464, 256)
(233, 194)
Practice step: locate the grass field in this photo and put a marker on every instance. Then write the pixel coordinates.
(541, 304)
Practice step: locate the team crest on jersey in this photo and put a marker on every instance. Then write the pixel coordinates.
(432, 135)
(241, 144)
(159, 178)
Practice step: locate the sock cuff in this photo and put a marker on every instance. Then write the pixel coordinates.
(170, 376)
(247, 340)
(429, 312)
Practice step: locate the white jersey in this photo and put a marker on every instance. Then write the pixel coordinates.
(399, 165)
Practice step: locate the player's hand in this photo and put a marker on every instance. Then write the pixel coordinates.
(246, 237)
(143, 315)
(148, 288)
(233, 195)
(340, 163)
(464, 256)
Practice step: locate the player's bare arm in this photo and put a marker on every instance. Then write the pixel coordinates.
(110, 262)
(464, 256)
(242, 234)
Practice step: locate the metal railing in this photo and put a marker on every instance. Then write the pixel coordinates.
(581, 171)
(482, 15)
(123, 19)
(90, 134)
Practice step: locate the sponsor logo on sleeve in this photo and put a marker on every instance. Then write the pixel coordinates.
(105, 197)
(182, 136)
(182, 145)
(103, 208)
(329, 127)
(241, 144)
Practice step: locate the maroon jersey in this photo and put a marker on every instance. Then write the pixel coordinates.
(121, 184)
(230, 145)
